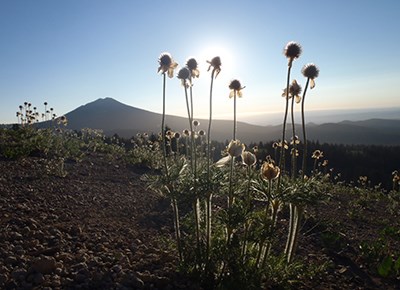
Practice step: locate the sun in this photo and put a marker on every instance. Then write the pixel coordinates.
(208, 52)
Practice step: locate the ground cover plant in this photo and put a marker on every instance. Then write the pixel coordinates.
(243, 220)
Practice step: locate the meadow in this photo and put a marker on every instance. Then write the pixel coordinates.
(173, 211)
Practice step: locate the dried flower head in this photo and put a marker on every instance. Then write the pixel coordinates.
(186, 132)
(202, 133)
(184, 76)
(235, 148)
(249, 158)
(275, 145)
(196, 123)
(310, 71)
(269, 170)
(193, 67)
(317, 154)
(215, 63)
(294, 91)
(236, 88)
(177, 135)
(292, 51)
(167, 64)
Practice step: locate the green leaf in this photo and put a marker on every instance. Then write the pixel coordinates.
(397, 265)
(385, 266)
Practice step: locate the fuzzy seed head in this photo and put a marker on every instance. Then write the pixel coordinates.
(310, 71)
(269, 171)
(249, 158)
(235, 148)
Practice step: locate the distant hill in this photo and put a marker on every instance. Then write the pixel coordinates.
(114, 117)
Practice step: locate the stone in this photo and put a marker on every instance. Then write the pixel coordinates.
(44, 265)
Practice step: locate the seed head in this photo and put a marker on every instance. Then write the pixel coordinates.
(202, 133)
(215, 63)
(249, 158)
(177, 135)
(196, 123)
(167, 64)
(269, 170)
(184, 76)
(292, 51)
(236, 87)
(235, 148)
(294, 91)
(193, 67)
(310, 71)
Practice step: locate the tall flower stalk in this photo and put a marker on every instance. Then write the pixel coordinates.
(310, 71)
(167, 66)
(215, 64)
(292, 51)
(184, 75)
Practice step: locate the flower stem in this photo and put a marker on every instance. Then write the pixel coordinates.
(303, 123)
(209, 193)
(294, 141)
(163, 130)
(282, 157)
(234, 115)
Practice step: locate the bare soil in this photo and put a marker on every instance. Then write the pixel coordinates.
(100, 228)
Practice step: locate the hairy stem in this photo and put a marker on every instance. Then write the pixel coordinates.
(282, 157)
(303, 123)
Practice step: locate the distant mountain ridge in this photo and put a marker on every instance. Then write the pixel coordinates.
(114, 117)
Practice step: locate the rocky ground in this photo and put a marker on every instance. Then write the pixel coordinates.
(100, 228)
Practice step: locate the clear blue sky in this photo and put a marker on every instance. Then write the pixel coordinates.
(69, 53)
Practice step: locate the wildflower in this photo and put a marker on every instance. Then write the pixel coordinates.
(269, 170)
(184, 76)
(317, 154)
(216, 64)
(202, 133)
(167, 64)
(169, 134)
(62, 121)
(196, 123)
(177, 135)
(292, 51)
(186, 132)
(193, 67)
(295, 140)
(235, 87)
(311, 72)
(249, 158)
(275, 145)
(235, 148)
(285, 144)
(294, 91)
(255, 149)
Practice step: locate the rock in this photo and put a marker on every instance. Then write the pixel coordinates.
(11, 260)
(19, 274)
(38, 278)
(44, 265)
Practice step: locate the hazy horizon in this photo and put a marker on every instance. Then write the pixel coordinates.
(68, 53)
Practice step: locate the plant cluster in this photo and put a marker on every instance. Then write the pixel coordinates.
(226, 213)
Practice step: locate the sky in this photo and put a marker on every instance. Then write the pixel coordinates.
(69, 53)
